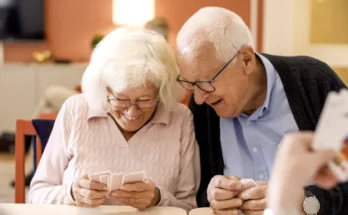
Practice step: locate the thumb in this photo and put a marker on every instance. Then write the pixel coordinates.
(322, 157)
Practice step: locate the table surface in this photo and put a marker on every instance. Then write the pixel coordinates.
(205, 211)
(17, 209)
(201, 211)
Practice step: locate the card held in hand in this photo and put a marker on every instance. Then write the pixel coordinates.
(133, 177)
(247, 183)
(115, 182)
(95, 176)
(332, 132)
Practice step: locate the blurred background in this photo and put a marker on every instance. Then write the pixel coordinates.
(45, 46)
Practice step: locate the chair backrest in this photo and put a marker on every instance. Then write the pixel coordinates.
(43, 128)
(23, 127)
(48, 116)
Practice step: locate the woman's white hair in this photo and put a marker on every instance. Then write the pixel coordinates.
(222, 28)
(127, 58)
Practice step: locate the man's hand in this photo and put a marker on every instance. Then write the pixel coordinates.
(295, 155)
(222, 194)
(140, 195)
(254, 199)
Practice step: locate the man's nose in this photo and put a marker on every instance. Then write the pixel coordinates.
(200, 95)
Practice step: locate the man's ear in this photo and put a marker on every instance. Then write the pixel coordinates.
(247, 56)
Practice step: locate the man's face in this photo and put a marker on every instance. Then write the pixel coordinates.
(232, 86)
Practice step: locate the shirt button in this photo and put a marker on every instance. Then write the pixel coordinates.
(255, 149)
(262, 176)
(247, 122)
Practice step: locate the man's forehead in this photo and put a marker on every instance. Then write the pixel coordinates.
(197, 61)
(199, 69)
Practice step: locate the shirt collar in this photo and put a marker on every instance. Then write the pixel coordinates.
(271, 78)
(162, 115)
(95, 113)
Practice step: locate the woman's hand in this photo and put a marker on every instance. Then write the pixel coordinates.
(140, 195)
(88, 193)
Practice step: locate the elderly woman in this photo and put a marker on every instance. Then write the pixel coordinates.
(127, 120)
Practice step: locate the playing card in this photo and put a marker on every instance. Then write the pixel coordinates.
(339, 164)
(332, 132)
(95, 176)
(133, 177)
(104, 179)
(328, 134)
(247, 183)
(115, 181)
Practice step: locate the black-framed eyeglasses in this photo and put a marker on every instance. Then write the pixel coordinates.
(206, 86)
(124, 104)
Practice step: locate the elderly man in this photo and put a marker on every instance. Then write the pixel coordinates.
(243, 103)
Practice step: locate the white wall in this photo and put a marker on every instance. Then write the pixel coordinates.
(278, 29)
(21, 86)
(287, 32)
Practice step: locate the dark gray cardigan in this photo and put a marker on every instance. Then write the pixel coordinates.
(307, 82)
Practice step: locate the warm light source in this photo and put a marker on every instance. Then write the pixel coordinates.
(132, 12)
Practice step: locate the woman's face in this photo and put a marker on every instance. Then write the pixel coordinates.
(143, 102)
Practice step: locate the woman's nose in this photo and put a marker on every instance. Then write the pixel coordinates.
(133, 111)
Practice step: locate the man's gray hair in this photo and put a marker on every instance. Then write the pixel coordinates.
(222, 28)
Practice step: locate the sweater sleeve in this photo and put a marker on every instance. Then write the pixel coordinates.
(199, 116)
(189, 178)
(46, 186)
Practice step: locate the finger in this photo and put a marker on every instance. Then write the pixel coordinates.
(92, 194)
(236, 178)
(326, 178)
(80, 204)
(134, 195)
(254, 205)
(227, 184)
(261, 182)
(90, 202)
(226, 204)
(327, 184)
(131, 201)
(139, 206)
(303, 138)
(222, 194)
(91, 185)
(322, 157)
(225, 212)
(299, 141)
(139, 186)
(258, 192)
(250, 212)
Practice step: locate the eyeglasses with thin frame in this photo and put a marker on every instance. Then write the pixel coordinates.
(206, 86)
(127, 103)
